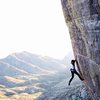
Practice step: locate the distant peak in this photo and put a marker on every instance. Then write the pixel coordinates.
(25, 52)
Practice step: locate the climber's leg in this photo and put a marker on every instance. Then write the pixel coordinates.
(79, 75)
(71, 77)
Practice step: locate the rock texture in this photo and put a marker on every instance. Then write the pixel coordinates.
(62, 91)
(83, 20)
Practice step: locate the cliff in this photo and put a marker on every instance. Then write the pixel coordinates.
(83, 20)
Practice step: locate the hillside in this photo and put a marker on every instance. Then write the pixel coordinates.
(28, 76)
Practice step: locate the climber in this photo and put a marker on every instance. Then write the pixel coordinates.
(73, 71)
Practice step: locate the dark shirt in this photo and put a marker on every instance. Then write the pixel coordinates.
(72, 70)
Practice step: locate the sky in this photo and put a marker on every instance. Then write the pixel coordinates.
(36, 26)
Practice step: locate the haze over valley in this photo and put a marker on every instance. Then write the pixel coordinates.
(26, 76)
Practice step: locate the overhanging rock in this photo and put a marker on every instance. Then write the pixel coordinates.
(83, 20)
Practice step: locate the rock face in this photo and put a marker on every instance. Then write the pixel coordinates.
(83, 20)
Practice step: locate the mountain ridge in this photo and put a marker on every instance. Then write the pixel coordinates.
(27, 76)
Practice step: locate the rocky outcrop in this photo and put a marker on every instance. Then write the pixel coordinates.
(62, 91)
(83, 20)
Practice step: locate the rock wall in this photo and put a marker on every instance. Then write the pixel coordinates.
(83, 20)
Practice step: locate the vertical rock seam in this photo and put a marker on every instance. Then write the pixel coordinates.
(83, 20)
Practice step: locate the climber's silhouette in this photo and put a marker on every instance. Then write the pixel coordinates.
(73, 71)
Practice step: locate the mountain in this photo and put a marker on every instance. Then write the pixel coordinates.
(29, 76)
(7, 69)
(27, 73)
(31, 63)
(44, 62)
